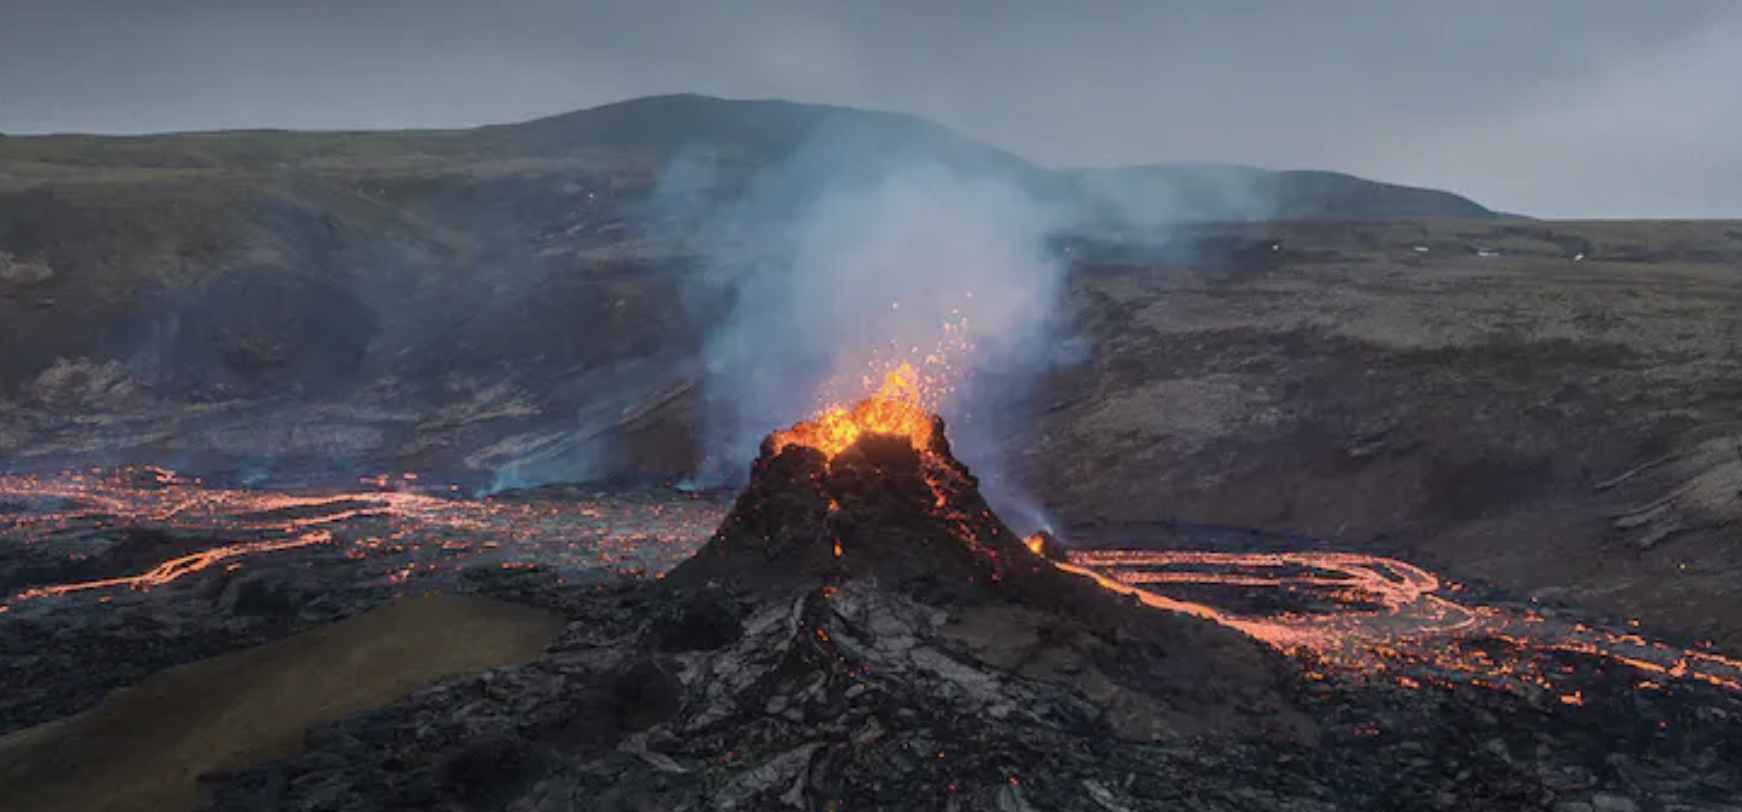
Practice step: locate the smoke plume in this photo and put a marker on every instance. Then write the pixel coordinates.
(858, 269)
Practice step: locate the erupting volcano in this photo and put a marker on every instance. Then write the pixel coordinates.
(861, 631)
(872, 485)
(871, 488)
(879, 483)
(896, 409)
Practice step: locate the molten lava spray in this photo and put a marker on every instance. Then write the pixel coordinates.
(895, 409)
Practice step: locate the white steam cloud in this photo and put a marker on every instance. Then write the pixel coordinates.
(922, 263)
(925, 266)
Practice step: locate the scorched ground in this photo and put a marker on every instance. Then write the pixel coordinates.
(862, 632)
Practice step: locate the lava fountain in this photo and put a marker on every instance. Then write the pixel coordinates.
(895, 409)
(871, 487)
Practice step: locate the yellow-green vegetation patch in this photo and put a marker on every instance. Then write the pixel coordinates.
(144, 747)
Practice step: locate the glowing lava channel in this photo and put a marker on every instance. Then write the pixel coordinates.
(567, 535)
(1391, 619)
(1365, 615)
(177, 567)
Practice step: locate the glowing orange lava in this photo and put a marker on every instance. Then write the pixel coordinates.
(179, 567)
(395, 527)
(895, 409)
(1341, 613)
(1380, 616)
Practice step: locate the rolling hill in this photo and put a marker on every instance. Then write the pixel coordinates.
(303, 238)
(1230, 193)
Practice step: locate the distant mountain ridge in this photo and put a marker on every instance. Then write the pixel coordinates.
(1237, 193)
(759, 130)
(270, 261)
(644, 136)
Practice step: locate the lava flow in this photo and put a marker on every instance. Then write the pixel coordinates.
(1364, 615)
(1345, 613)
(1342, 613)
(73, 519)
(177, 567)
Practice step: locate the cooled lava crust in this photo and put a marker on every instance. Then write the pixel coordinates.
(909, 517)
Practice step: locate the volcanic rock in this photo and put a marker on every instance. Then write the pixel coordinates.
(862, 633)
(910, 521)
(912, 518)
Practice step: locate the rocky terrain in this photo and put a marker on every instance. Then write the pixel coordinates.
(862, 634)
(1471, 391)
(1543, 410)
(144, 747)
(1546, 407)
(105, 582)
(266, 301)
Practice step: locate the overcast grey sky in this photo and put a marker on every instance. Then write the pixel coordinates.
(1593, 108)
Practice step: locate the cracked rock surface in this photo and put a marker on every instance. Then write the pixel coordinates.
(935, 663)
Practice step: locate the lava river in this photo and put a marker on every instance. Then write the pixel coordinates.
(1347, 613)
(1343, 614)
(396, 527)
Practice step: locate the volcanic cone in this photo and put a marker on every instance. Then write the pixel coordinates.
(907, 514)
(898, 515)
